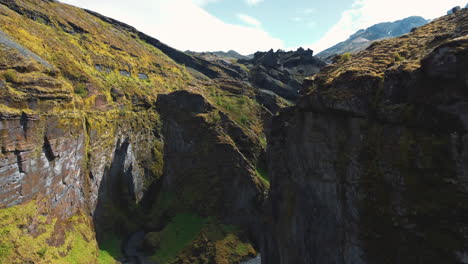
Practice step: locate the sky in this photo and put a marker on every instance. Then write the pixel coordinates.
(248, 26)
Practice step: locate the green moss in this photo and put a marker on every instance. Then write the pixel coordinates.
(19, 244)
(263, 174)
(178, 234)
(74, 56)
(242, 109)
(344, 57)
(243, 249)
(398, 57)
(230, 249)
(83, 248)
(80, 89)
(217, 243)
(109, 250)
(10, 75)
(157, 164)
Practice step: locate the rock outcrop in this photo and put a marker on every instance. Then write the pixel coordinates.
(371, 166)
(282, 72)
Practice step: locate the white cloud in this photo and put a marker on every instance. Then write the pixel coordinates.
(249, 20)
(253, 2)
(366, 13)
(184, 25)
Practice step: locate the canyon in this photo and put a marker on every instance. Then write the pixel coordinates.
(116, 148)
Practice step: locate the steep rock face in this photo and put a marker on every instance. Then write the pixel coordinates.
(206, 152)
(124, 157)
(42, 158)
(371, 166)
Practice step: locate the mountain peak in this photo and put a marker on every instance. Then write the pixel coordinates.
(379, 31)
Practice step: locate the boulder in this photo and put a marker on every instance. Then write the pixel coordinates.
(454, 10)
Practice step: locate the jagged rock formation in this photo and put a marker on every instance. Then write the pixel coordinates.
(86, 147)
(365, 37)
(282, 72)
(371, 166)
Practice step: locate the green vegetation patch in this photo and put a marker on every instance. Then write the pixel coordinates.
(217, 243)
(263, 174)
(27, 236)
(179, 233)
(109, 250)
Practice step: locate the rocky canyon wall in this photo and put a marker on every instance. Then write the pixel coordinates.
(371, 166)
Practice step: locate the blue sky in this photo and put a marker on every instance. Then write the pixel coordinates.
(252, 25)
(295, 22)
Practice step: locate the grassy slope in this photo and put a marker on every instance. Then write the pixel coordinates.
(75, 55)
(26, 237)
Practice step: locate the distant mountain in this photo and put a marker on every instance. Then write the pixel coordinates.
(364, 37)
(232, 54)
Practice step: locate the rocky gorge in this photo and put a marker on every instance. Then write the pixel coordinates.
(116, 148)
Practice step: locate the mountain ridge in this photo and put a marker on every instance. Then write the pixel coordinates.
(364, 37)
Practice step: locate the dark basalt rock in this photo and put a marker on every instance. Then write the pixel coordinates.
(282, 72)
(197, 156)
(142, 76)
(371, 166)
(125, 73)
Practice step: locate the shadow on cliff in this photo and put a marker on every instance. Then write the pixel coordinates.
(118, 215)
(115, 205)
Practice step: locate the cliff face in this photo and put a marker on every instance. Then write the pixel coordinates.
(88, 153)
(206, 152)
(371, 166)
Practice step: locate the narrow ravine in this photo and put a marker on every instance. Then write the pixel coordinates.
(132, 250)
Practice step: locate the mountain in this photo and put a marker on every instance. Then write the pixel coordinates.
(370, 166)
(230, 55)
(364, 37)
